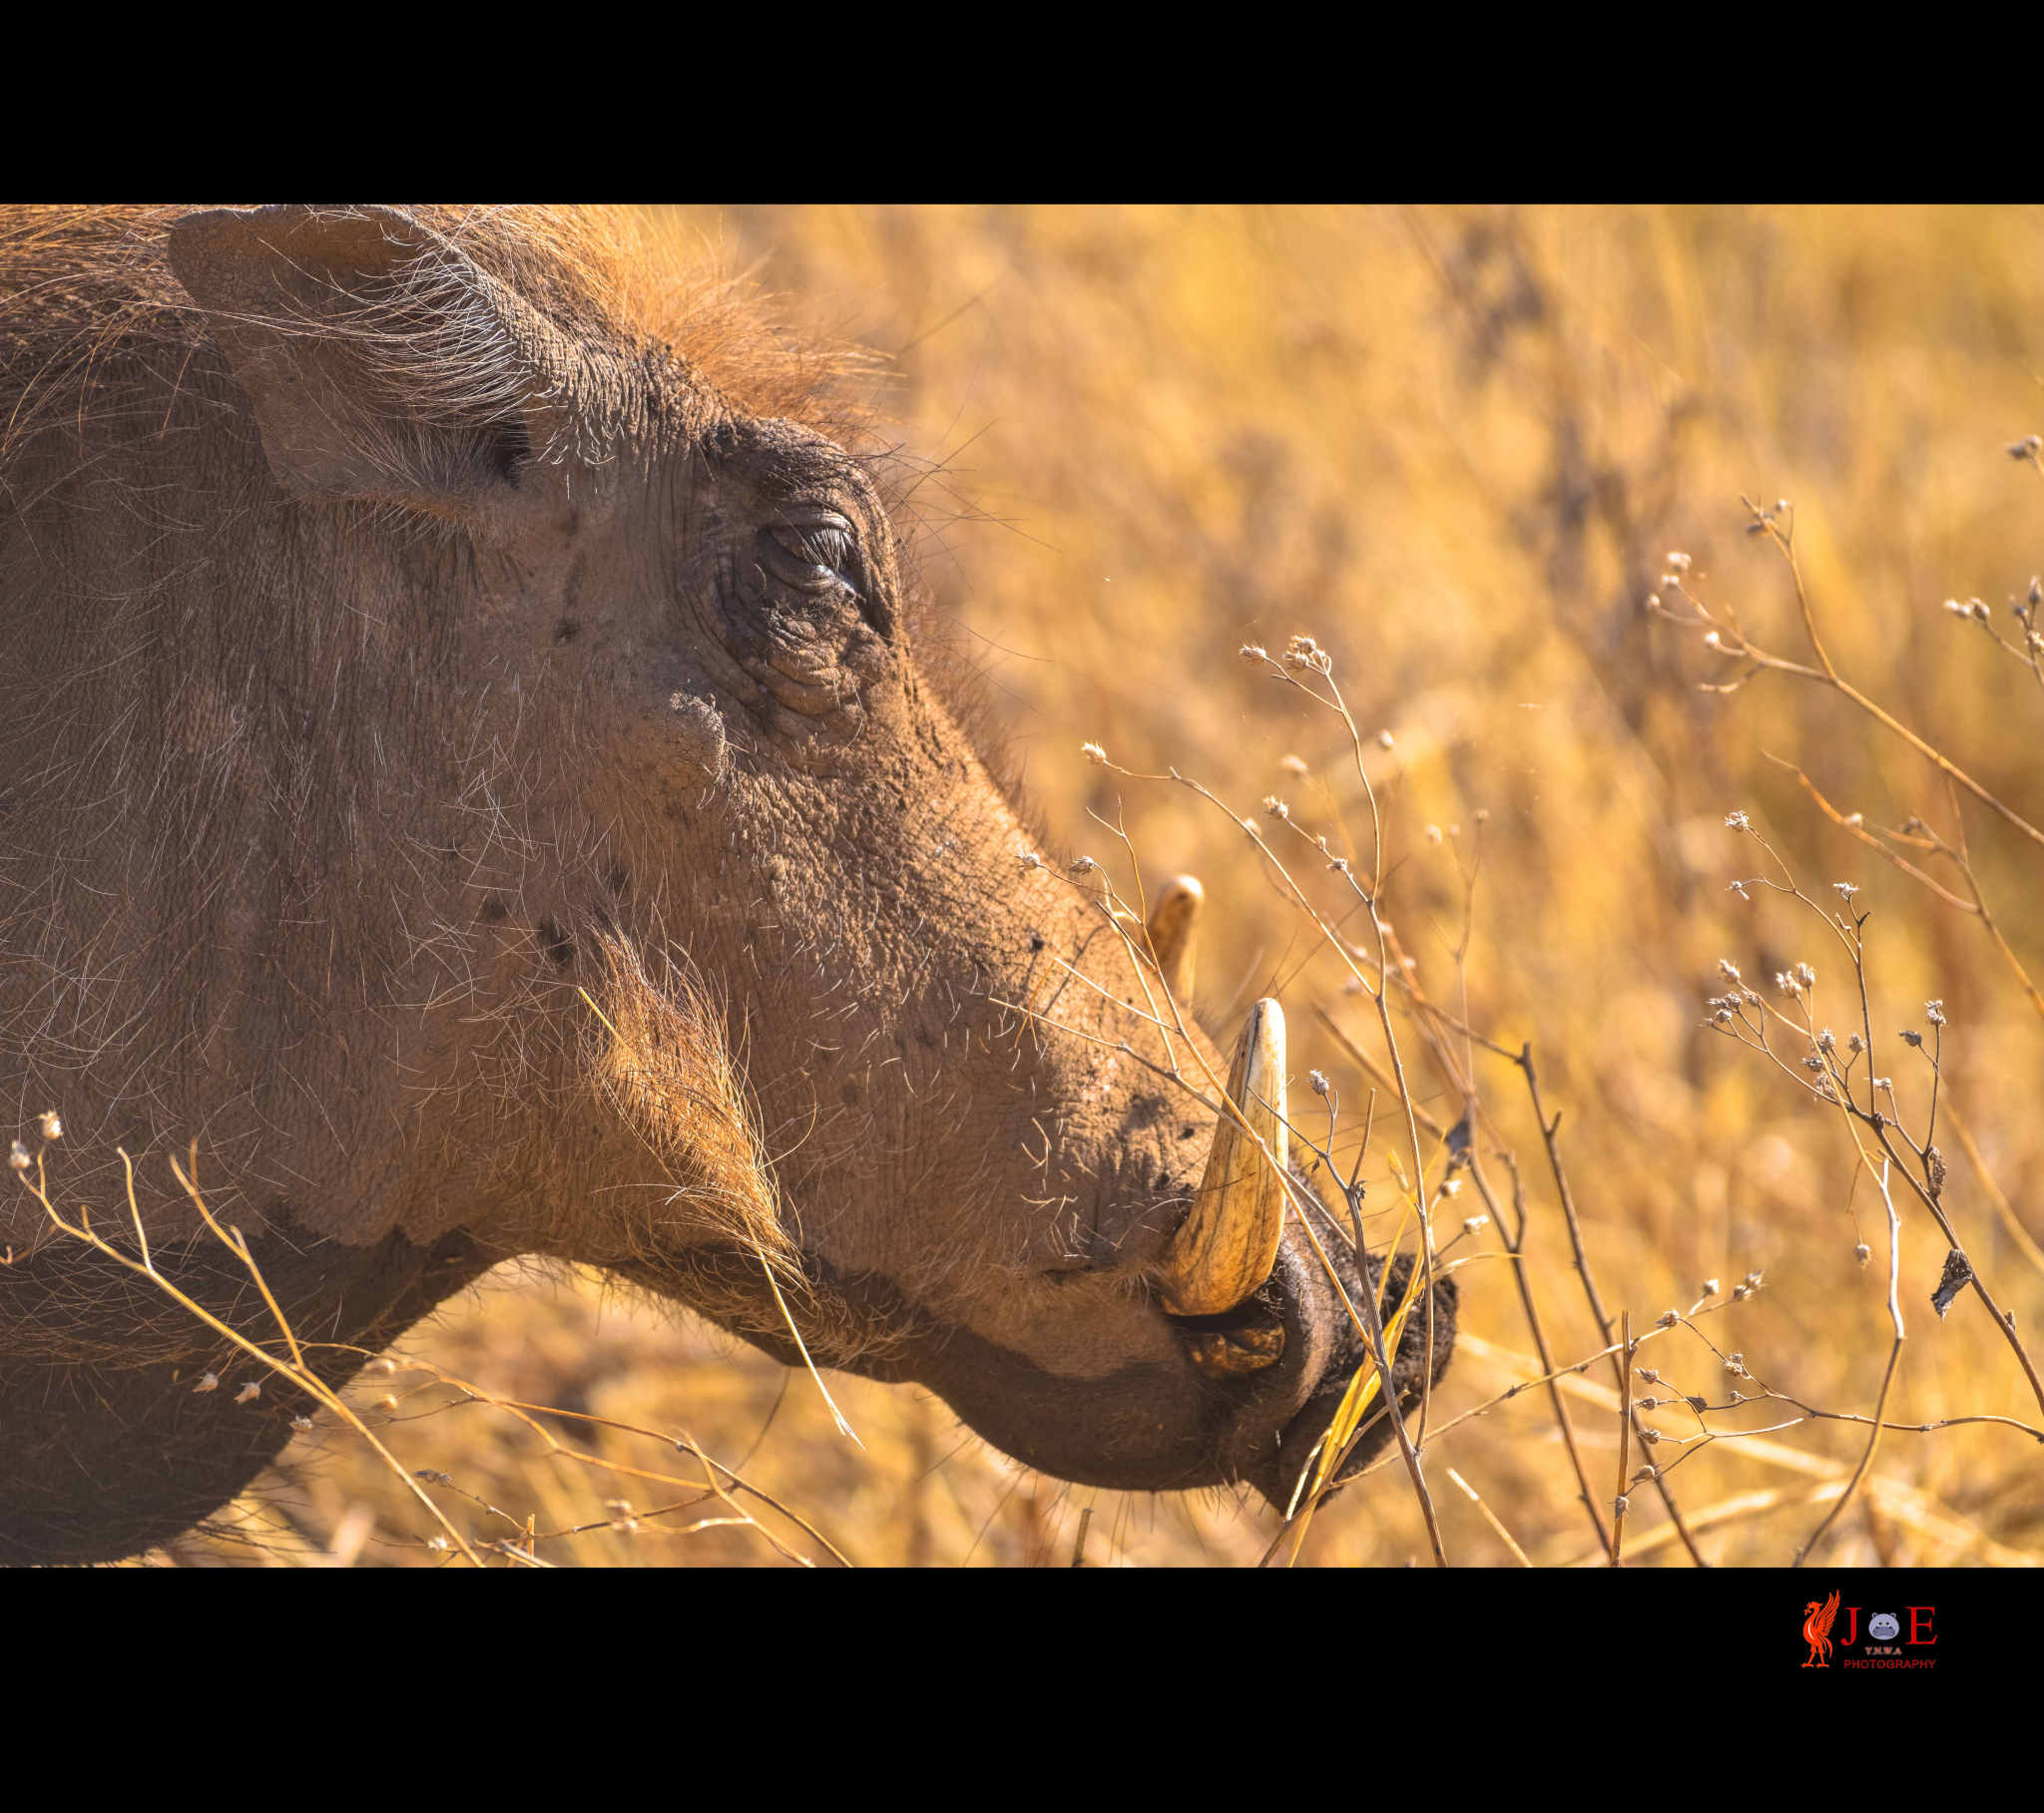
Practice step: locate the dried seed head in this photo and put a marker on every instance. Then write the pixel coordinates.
(1710, 636)
(1727, 969)
(2036, 591)
(1386, 740)
(19, 1157)
(2024, 449)
(1027, 857)
(301, 1423)
(1339, 866)
(1680, 561)
(379, 1369)
(1862, 1252)
(51, 1125)
(1813, 1064)
(1805, 975)
(1252, 652)
(1650, 1375)
(208, 1382)
(1304, 652)
(1093, 751)
(1981, 611)
(1846, 890)
(1933, 1011)
(1885, 1083)
(1433, 833)
(1739, 1292)
(1652, 1436)
(1909, 1036)
(1475, 1224)
(1855, 1044)
(433, 1476)
(1958, 610)
(1739, 888)
(1668, 1319)
(1709, 1287)
(1936, 1160)
(1483, 816)
(1319, 1082)
(1292, 765)
(1646, 1473)
(1277, 807)
(1646, 1402)
(388, 1406)
(1752, 1280)
(1738, 821)
(1452, 1188)
(248, 1392)
(437, 1544)
(1620, 1506)
(1827, 1040)
(1084, 865)
(1723, 1017)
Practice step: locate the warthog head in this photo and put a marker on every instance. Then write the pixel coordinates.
(470, 773)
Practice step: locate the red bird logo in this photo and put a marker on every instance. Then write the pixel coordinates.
(1816, 1630)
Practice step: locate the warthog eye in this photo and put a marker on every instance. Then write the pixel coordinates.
(811, 555)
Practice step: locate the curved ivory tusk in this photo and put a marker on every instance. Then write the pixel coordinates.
(1229, 1243)
(1173, 934)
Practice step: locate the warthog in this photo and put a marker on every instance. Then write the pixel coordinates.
(467, 781)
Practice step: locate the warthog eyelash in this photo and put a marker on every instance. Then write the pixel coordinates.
(810, 557)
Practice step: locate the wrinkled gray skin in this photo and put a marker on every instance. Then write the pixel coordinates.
(323, 772)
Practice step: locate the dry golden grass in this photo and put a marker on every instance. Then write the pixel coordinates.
(1456, 447)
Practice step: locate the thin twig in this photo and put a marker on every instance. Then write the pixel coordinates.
(1888, 1378)
(1625, 1442)
(1547, 1131)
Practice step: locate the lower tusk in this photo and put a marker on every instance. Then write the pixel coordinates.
(1173, 934)
(1229, 1243)
(1238, 1352)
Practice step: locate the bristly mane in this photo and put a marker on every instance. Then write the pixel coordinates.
(84, 291)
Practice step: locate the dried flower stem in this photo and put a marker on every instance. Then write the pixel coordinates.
(293, 1369)
(1516, 1246)
(1625, 1441)
(2017, 1230)
(1744, 648)
(1490, 1516)
(1888, 1378)
(1548, 1132)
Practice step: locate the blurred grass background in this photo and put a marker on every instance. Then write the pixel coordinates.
(1455, 446)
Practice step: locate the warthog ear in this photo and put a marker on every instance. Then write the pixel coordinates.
(381, 362)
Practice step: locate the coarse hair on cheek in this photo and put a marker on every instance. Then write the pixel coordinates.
(660, 1056)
